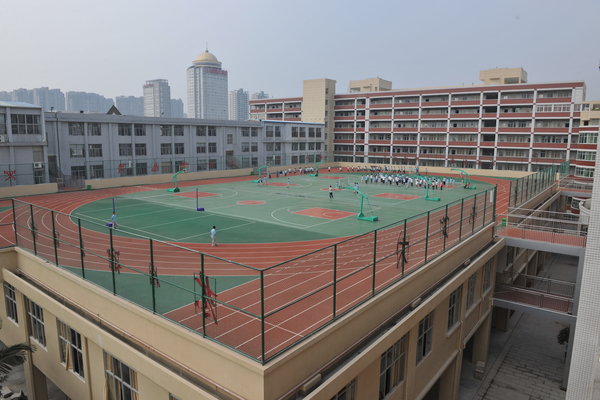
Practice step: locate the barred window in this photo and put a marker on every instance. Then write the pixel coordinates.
(165, 130)
(245, 132)
(454, 307)
(77, 150)
(179, 148)
(94, 129)
(139, 130)
(178, 130)
(212, 147)
(121, 380)
(348, 392)
(392, 367)
(201, 131)
(212, 131)
(425, 336)
(140, 149)
(125, 149)
(36, 322)
(166, 149)
(70, 348)
(75, 129)
(10, 300)
(254, 132)
(124, 130)
(95, 150)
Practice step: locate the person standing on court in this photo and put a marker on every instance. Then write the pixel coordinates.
(330, 192)
(113, 220)
(213, 236)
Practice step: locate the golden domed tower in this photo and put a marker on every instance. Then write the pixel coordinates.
(207, 88)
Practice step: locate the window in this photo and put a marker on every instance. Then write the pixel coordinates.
(139, 130)
(141, 168)
(425, 336)
(75, 129)
(277, 131)
(302, 131)
(69, 346)
(96, 171)
(200, 131)
(212, 131)
(487, 274)
(212, 147)
(179, 148)
(269, 146)
(78, 171)
(471, 290)
(77, 150)
(36, 322)
(392, 367)
(245, 132)
(166, 148)
(254, 161)
(94, 129)
(254, 147)
(245, 147)
(165, 130)
(10, 300)
(294, 131)
(125, 149)
(311, 132)
(348, 392)
(318, 132)
(254, 132)
(140, 149)
(95, 150)
(178, 130)
(166, 167)
(200, 148)
(454, 307)
(269, 131)
(121, 380)
(124, 130)
(229, 138)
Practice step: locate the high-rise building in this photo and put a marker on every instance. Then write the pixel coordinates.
(177, 108)
(130, 105)
(259, 95)
(87, 102)
(207, 88)
(22, 95)
(157, 98)
(238, 105)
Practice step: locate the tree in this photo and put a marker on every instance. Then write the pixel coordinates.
(563, 335)
(12, 356)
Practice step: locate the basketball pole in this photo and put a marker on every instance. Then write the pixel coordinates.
(198, 208)
(196, 198)
(114, 206)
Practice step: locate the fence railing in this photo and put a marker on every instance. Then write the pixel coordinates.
(545, 285)
(275, 308)
(523, 189)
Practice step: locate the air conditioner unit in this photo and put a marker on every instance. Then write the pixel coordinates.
(38, 165)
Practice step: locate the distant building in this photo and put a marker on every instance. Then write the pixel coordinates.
(177, 108)
(22, 95)
(207, 88)
(259, 95)
(238, 105)
(157, 98)
(87, 102)
(370, 85)
(130, 105)
(49, 99)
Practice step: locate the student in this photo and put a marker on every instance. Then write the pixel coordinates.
(113, 219)
(330, 192)
(213, 236)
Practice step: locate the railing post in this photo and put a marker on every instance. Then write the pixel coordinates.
(33, 232)
(54, 239)
(112, 260)
(427, 236)
(473, 214)
(202, 294)
(334, 279)
(15, 222)
(485, 200)
(152, 276)
(81, 251)
(495, 203)
(262, 316)
(374, 261)
(462, 204)
(403, 247)
(445, 227)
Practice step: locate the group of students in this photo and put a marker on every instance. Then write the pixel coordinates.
(407, 180)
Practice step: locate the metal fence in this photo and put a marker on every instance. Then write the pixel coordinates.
(279, 306)
(527, 187)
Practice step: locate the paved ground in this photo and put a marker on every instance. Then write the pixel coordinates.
(526, 362)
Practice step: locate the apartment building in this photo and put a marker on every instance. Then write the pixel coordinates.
(504, 124)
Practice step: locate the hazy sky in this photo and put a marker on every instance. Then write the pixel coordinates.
(111, 47)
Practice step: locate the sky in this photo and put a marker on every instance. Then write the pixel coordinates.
(112, 46)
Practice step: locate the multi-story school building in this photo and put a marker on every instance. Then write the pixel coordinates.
(504, 123)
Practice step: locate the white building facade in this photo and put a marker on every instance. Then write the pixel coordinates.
(238, 105)
(157, 98)
(207, 88)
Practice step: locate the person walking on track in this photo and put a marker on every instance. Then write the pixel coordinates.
(213, 236)
(330, 192)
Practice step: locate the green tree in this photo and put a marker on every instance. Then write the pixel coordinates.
(12, 356)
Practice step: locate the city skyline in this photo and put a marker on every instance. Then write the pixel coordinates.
(457, 41)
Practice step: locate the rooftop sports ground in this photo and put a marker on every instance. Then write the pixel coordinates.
(289, 258)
